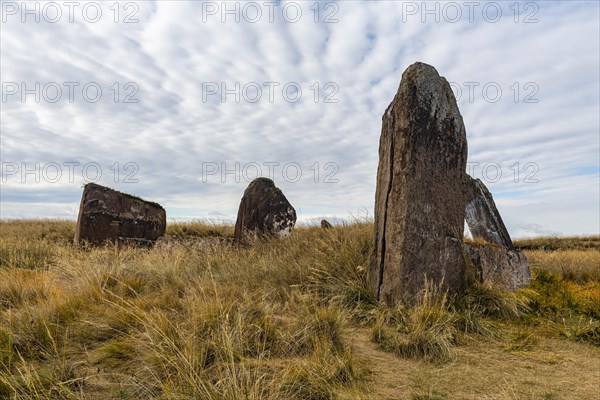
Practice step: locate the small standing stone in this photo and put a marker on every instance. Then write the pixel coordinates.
(325, 224)
(106, 215)
(264, 211)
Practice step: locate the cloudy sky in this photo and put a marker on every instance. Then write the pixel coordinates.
(185, 102)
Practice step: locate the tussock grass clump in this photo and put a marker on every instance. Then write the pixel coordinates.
(55, 380)
(115, 353)
(22, 378)
(312, 326)
(426, 331)
(320, 376)
(433, 327)
(486, 300)
(38, 331)
(579, 328)
(481, 305)
(339, 271)
(523, 339)
(18, 287)
(6, 350)
(469, 321)
(423, 389)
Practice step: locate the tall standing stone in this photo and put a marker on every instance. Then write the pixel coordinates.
(106, 215)
(264, 211)
(419, 201)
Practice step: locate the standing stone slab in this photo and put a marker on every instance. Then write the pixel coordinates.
(264, 211)
(106, 215)
(482, 216)
(495, 260)
(419, 201)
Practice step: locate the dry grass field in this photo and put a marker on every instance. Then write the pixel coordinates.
(195, 318)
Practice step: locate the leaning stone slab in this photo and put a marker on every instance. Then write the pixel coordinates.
(482, 216)
(419, 201)
(498, 265)
(108, 216)
(264, 212)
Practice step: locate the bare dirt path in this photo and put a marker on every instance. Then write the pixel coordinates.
(484, 369)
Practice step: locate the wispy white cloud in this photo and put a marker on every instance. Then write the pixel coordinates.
(175, 50)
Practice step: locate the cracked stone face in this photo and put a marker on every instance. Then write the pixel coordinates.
(419, 201)
(106, 215)
(264, 211)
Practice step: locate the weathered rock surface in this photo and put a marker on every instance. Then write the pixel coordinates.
(264, 211)
(503, 267)
(419, 201)
(326, 224)
(482, 216)
(106, 215)
(496, 260)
